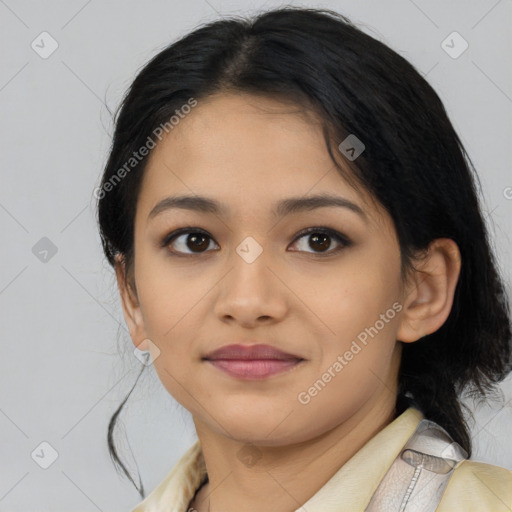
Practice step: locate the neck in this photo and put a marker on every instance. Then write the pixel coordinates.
(284, 477)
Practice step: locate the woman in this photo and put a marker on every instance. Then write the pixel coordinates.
(298, 243)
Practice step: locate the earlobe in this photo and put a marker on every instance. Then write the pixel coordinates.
(131, 307)
(429, 296)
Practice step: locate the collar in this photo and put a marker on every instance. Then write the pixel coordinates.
(349, 489)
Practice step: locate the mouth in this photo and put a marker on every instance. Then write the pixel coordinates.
(252, 369)
(252, 362)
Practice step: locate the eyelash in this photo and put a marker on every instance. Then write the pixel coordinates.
(339, 237)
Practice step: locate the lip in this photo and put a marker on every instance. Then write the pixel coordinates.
(252, 362)
(246, 352)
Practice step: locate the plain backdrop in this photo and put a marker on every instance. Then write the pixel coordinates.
(67, 360)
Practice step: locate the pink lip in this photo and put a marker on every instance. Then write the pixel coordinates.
(252, 361)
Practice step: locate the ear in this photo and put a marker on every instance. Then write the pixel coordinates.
(428, 297)
(130, 303)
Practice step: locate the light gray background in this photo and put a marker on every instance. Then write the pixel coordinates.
(62, 373)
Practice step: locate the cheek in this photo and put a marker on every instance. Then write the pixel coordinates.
(174, 305)
(355, 299)
(168, 296)
(351, 372)
(361, 311)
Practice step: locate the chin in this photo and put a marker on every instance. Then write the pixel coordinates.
(276, 427)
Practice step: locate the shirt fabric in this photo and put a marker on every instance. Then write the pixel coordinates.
(473, 487)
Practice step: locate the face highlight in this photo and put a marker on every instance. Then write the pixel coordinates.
(245, 232)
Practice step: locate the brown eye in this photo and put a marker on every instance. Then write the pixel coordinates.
(186, 242)
(197, 242)
(319, 240)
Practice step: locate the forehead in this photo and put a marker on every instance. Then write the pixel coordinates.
(235, 127)
(246, 151)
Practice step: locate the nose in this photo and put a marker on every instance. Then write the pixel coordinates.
(251, 293)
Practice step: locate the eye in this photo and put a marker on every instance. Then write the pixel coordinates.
(196, 240)
(320, 240)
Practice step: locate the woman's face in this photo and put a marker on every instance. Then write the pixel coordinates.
(248, 277)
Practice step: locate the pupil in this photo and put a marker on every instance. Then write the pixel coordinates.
(194, 245)
(324, 245)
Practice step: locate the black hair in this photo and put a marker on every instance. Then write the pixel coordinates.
(413, 164)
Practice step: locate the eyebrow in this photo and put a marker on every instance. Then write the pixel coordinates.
(282, 208)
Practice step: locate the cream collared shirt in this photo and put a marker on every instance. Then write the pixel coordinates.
(473, 487)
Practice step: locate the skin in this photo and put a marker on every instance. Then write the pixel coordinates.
(249, 152)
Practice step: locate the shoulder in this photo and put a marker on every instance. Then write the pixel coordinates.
(478, 487)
